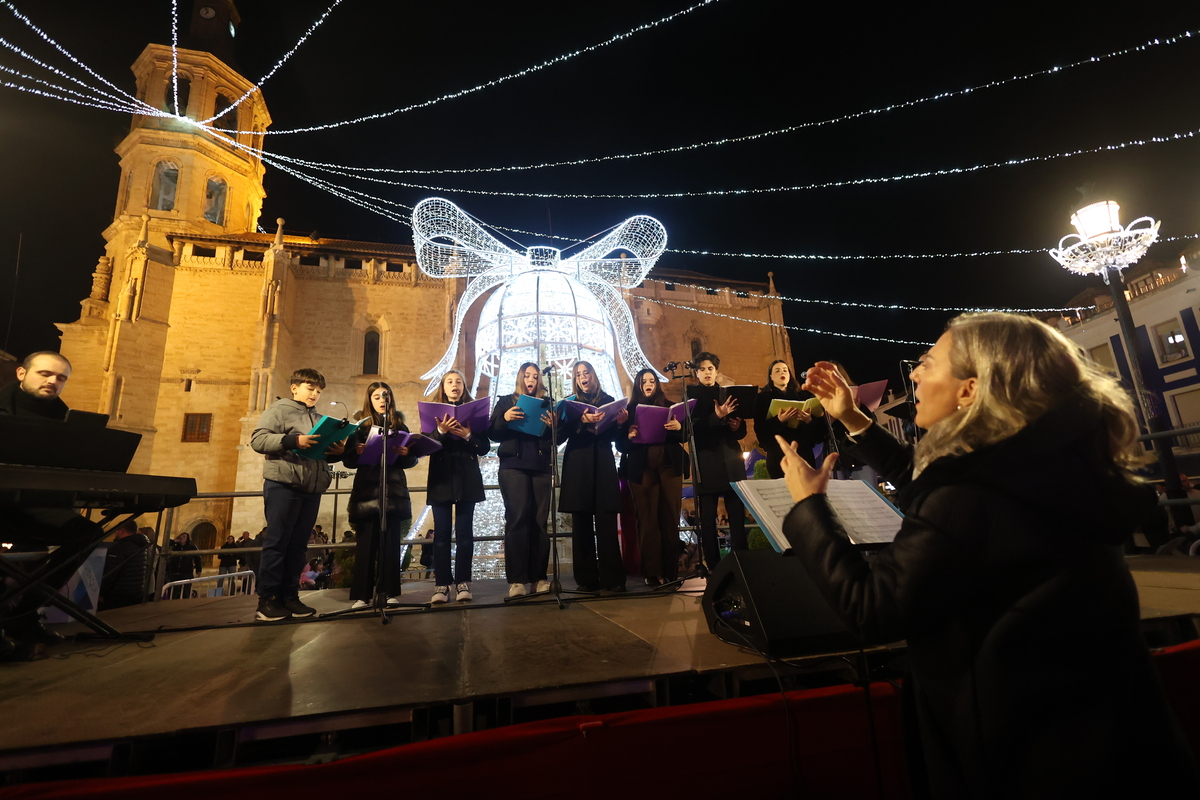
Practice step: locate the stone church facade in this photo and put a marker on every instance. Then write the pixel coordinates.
(195, 321)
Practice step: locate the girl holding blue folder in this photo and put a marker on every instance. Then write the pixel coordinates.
(590, 492)
(363, 508)
(655, 473)
(524, 478)
(455, 486)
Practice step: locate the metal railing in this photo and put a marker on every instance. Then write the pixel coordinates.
(238, 583)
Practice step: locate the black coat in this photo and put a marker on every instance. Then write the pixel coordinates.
(806, 434)
(13, 400)
(634, 455)
(454, 475)
(518, 450)
(364, 494)
(183, 568)
(1029, 676)
(589, 470)
(718, 456)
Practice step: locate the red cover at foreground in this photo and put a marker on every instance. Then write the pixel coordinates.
(730, 748)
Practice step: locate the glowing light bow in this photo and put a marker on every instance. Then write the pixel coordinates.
(548, 309)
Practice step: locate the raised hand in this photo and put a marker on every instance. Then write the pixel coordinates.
(802, 480)
(836, 397)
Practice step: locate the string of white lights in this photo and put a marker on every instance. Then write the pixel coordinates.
(46, 38)
(495, 81)
(933, 173)
(766, 134)
(345, 194)
(891, 256)
(790, 327)
(119, 104)
(279, 63)
(84, 100)
(175, 53)
(882, 306)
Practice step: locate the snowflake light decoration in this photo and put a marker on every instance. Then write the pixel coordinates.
(547, 309)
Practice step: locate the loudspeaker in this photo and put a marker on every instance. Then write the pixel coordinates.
(767, 601)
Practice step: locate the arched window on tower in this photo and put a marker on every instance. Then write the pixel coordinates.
(371, 352)
(225, 114)
(162, 190)
(214, 200)
(696, 348)
(183, 92)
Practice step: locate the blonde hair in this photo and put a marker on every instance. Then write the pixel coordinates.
(1024, 368)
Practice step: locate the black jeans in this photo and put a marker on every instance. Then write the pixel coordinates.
(291, 514)
(464, 536)
(526, 496)
(367, 548)
(708, 525)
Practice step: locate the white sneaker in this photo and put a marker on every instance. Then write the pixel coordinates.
(464, 592)
(517, 590)
(441, 594)
(394, 601)
(359, 604)
(543, 586)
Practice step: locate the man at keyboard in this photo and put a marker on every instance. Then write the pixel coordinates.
(40, 381)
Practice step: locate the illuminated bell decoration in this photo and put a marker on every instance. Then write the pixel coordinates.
(547, 309)
(1101, 242)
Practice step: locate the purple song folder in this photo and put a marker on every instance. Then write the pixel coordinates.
(418, 446)
(650, 420)
(473, 415)
(573, 410)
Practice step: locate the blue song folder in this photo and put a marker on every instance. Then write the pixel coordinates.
(533, 408)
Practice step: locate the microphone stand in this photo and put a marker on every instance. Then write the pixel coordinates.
(555, 582)
(379, 598)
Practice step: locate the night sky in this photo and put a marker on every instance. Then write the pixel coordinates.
(732, 68)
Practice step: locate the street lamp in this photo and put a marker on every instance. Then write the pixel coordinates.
(1102, 247)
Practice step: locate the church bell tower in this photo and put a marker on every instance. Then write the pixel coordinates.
(193, 171)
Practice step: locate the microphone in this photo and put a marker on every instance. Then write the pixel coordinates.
(671, 366)
(549, 368)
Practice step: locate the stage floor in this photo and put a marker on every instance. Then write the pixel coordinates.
(211, 670)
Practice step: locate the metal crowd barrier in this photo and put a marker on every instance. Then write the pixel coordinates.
(239, 583)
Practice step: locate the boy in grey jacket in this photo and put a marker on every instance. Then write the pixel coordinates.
(292, 489)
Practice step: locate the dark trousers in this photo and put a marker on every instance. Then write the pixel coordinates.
(464, 536)
(526, 496)
(367, 561)
(291, 514)
(597, 551)
(657, 499)
(708, 525)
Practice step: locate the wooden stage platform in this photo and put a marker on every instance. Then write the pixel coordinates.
(215, 688)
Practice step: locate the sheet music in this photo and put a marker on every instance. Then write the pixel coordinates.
(865, 514)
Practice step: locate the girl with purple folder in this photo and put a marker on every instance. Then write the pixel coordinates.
(524, 478)
(455, 486)
(363, 508)
(590, 492)
(655, 473)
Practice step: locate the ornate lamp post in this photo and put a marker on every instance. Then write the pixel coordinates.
(1102, 247)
